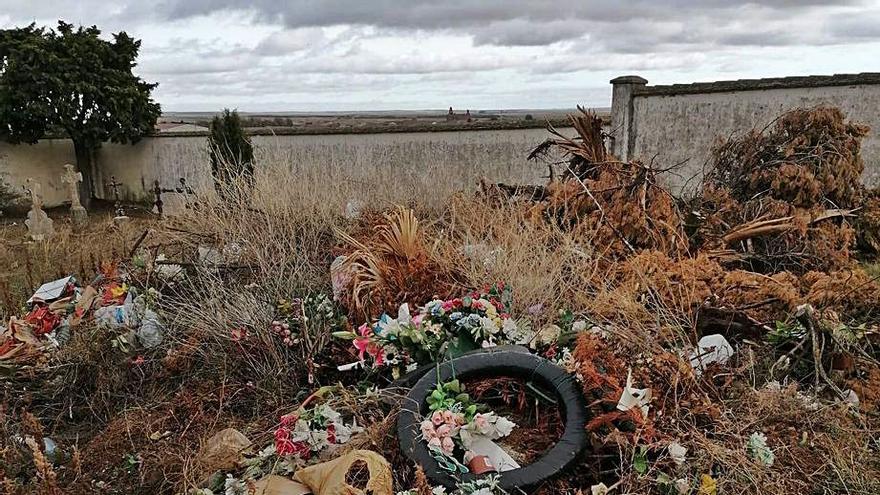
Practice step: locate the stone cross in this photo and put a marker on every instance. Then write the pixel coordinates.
(39, 224)
(35, 190)
(71, 178)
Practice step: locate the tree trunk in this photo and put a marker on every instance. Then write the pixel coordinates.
(84, 154)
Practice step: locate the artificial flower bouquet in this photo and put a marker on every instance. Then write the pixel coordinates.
(440, 328)
(300, 318)
(308, 431)
(456, 424)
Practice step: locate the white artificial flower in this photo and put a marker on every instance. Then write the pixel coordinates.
(318, 440)
(234, 486)
(503, 426)
(330, 414)
(343, 432)
(489, 326)
(579, 326)
(403, 316)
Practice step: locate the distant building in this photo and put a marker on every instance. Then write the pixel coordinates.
(166, 127)
(452, 116)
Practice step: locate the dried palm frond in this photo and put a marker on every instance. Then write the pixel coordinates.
(400, 236)
(392, 267)
(583, 151)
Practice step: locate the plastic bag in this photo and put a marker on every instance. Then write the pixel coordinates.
(151, 331)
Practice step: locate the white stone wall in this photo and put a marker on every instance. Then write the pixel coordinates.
(682, 128)
(456, 159)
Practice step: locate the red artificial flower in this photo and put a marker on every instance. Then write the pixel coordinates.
(331, 434)
(138, 360)
(550, 353)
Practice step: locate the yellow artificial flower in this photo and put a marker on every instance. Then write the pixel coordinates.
(708, 485)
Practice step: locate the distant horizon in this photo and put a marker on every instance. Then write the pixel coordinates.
(389, 112)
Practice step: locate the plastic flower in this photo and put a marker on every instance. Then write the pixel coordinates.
(437, 418)
(447, 445)
(427, 428)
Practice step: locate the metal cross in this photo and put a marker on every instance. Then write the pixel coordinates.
(114, 186)
(159, 190)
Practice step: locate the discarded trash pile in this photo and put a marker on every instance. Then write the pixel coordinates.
(726, 343)
(57, 308)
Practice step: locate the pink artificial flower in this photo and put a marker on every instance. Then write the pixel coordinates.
(446, 305)
(459, 419)
(435, 443)
(365, 345)
(417, 320)
(447, 445)
(481, 422)
(477, 305)
(428, 429)
(444, 430)
(437, 418)
(448, 417)
(238, 334)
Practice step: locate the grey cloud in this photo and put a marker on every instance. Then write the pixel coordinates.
(866, 26)
(520, 32)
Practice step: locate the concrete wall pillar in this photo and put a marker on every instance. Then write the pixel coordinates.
(622, 125)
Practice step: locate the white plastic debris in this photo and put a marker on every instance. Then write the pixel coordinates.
(51, 291)
(634, 397)
(710, 349)
(678, 453)
(482, 253)
(339, 277)
(851, 398)
(151, 331)
(209, 255)
(498, 458)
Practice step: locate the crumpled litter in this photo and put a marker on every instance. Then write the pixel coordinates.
(279, 485)
(710, 349)
(678, 453)
(634, 397)
(328, 478)
(223, 450)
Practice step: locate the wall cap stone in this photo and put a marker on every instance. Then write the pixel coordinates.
(629, 80)
(864, 78)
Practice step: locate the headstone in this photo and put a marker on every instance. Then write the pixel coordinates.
(39, 224)
(71, 178)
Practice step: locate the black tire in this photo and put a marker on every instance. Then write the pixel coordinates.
(533, 368)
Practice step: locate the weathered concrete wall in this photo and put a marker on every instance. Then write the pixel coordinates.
(680, 123)
(454, 159)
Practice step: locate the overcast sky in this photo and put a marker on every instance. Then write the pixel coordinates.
(302, 55)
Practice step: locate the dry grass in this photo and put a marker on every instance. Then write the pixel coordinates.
(277, 239)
